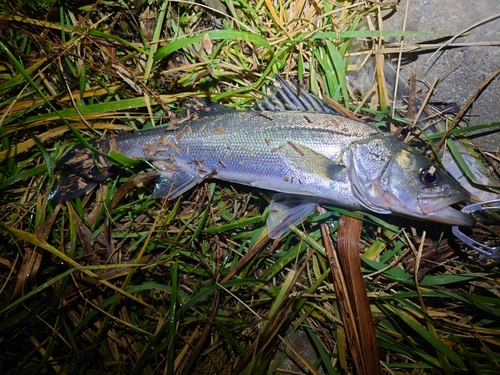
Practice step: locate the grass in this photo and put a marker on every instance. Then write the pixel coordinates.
(117, 282)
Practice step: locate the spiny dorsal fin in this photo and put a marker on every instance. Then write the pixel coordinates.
(289, 96)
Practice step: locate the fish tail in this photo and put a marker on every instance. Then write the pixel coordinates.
(79, 170)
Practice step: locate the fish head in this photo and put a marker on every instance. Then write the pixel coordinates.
(388, 176)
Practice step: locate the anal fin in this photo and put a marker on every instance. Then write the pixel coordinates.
(286, 211)
(173, 180)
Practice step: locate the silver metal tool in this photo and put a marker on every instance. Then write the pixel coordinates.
(492, 252)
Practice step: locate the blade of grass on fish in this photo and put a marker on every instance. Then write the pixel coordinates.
(123, 160)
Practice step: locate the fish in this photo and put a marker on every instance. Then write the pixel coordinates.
(294, 144)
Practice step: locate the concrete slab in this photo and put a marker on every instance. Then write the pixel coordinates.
(461, 70)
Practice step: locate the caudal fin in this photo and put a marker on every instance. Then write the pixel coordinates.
(79, 171)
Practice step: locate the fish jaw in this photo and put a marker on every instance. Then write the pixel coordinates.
(437, 209)
(451, 216)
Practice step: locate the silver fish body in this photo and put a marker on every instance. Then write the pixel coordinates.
(289, 152)
(320, 157)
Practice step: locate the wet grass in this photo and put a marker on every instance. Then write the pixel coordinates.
(117, 282)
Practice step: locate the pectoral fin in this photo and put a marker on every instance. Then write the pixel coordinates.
(286, 211)
(173, 180)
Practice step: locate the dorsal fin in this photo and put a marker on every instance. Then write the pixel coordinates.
(282, 95)
(289, 96)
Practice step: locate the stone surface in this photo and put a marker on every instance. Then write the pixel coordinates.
(302, 345)
(461, 70)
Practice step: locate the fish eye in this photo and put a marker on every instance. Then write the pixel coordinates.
(430, 175)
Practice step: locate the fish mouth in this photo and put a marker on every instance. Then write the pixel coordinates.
(451, 216)
(438, 209)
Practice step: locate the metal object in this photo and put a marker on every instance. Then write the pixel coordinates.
(492, 252)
